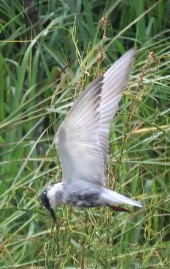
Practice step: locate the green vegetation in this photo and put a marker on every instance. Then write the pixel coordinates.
(47, 57)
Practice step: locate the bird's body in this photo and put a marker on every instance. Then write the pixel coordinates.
(85, 195)
(82, 143)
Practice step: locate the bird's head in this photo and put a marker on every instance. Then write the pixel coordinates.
(47, 202)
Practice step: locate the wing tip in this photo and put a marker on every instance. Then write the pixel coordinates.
(131, 54)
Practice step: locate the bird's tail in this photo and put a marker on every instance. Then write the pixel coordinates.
(111, 198)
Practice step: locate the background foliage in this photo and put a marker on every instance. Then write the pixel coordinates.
(49, 51)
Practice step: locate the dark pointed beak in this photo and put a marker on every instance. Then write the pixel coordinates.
(53, 214)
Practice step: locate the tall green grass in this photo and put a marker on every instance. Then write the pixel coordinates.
(42, 70)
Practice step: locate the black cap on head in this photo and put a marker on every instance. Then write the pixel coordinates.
(46, 203)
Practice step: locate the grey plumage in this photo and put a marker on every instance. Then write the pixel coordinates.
(82, 142)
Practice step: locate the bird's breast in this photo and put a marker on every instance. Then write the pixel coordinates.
(91, 199)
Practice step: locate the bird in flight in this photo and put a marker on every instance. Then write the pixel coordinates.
(82, 144)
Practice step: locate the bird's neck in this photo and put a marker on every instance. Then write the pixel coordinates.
(55, 195)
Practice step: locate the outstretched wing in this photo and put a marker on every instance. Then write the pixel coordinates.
(82, 139)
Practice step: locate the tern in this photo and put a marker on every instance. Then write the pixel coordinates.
(82, 144)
